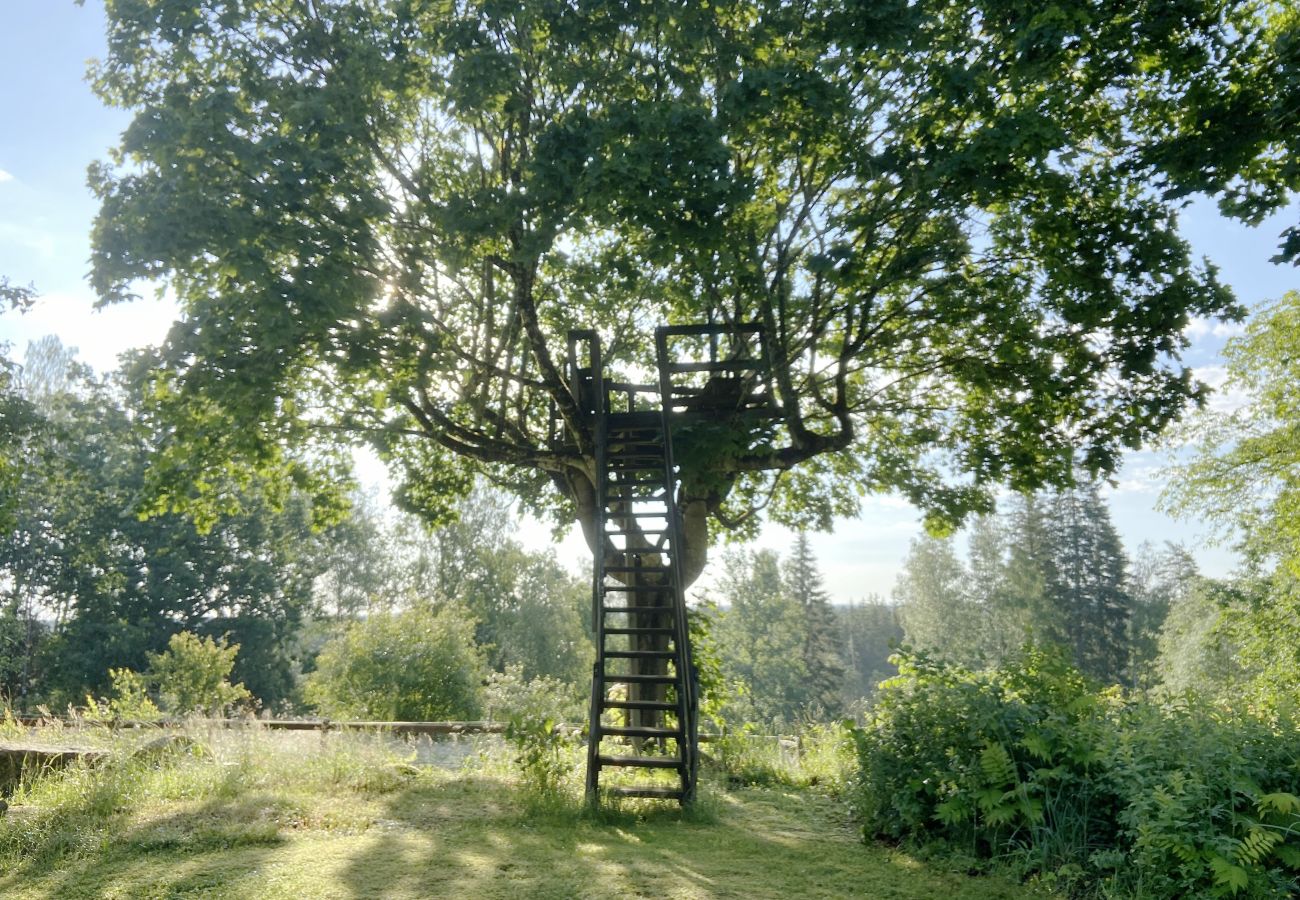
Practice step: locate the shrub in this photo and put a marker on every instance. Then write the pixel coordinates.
(420, 664)
(192, 675)
(533, 711)
(1031, 764)
(508, 694)
(130, 700)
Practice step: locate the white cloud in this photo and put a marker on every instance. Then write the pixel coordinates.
(1225, 398)
(1200, 327)
(1146, 479)
(100, 335)
(5, 176)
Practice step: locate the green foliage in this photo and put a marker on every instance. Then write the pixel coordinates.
(715, 691)
(1195, 651)
(1030, 764)
(543, 753)
(129, 702)
(529, 610)
(420, 664)
(120, 585)
(1246, 479)
(1244, 475)
(1051, 569)
(748, 757)
(192, 675)
(870, 631)
(933, 607)
(761, 637)
(381, 219)
(508, 695)
(819, 755)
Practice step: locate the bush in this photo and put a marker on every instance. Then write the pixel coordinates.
(130, 699)
(533, 711)
(192, 675)
(417, 665)
(1032, 765)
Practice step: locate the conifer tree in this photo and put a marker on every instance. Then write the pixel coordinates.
(822, 654)
(871, 631)
(1087, 583)
(1031, 568)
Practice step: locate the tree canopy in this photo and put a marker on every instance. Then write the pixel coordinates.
(957, 223)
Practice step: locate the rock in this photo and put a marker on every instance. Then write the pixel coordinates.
(16, 759)
(165, 745)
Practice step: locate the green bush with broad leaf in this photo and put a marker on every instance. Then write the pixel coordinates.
(129, 699)
(192, 676)
(1033, 766)
(540, 716)
(420, 664)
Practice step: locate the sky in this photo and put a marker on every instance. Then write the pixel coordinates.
(52, 127)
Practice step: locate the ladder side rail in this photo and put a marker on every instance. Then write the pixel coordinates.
(686, 700)
(600, 440)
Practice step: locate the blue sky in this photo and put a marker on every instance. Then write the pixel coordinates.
(52, 127)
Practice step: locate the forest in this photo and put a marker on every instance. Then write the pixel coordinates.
(927, 251)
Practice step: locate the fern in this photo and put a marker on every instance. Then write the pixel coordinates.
(997, 766)
(1257, 845)
(1228, 878)
(1279, 802)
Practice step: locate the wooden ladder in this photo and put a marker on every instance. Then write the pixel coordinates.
(644, 699)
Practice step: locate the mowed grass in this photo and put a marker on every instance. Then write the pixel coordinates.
(252, 815)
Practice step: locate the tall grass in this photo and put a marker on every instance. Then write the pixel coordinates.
(185, 790)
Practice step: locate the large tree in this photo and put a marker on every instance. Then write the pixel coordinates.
(383, 218)
(110, 586)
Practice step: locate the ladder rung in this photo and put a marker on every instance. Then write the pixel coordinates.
(641, 762)
(640, 610)
(641, 679)
(637, 731)
(735, 365)
(617, 531)
(638, 568)
(639, 704)
(634, 588)
(663, 514)
(651, 793)
(664, 631)
(640, 654)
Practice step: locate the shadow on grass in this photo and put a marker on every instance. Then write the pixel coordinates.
(470, 838)
(475, 836)
(79, 846)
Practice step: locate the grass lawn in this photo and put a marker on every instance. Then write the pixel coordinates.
(254, 815)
